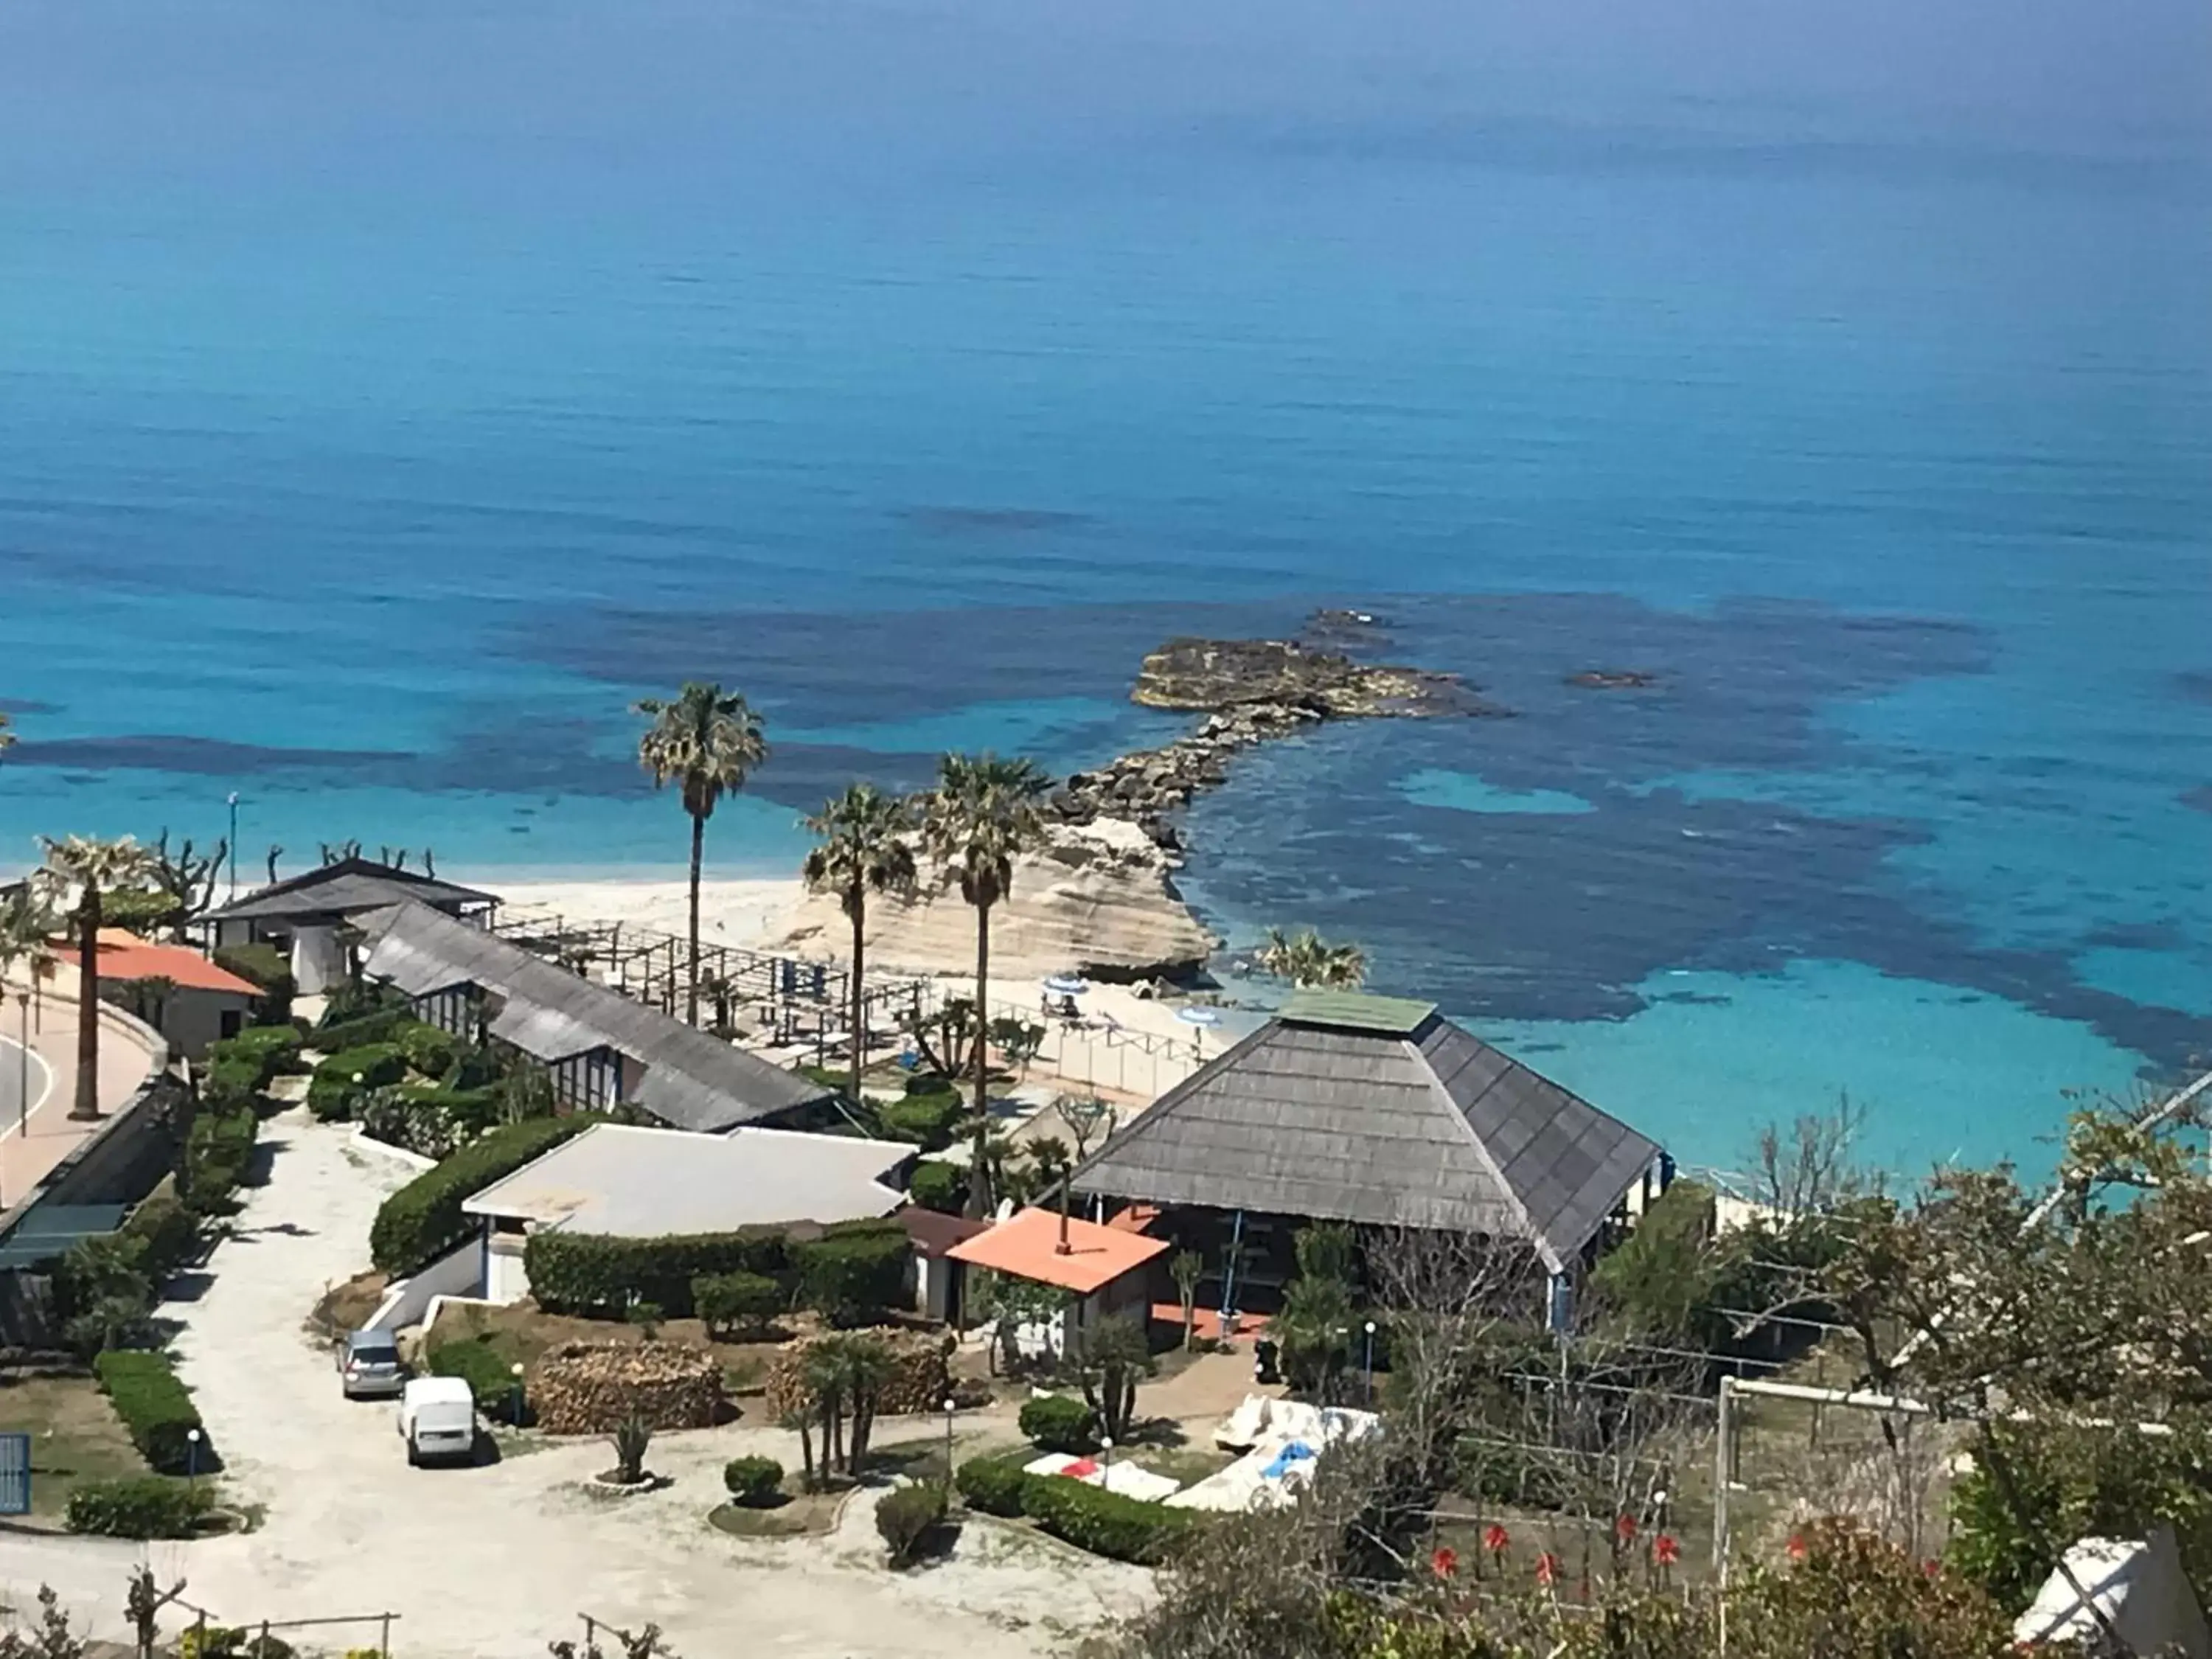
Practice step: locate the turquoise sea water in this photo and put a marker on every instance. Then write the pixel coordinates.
(367, 454)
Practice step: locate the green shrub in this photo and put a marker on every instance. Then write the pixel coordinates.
(936, 1185)
(1104, 1522)
(348, 1077)
(931, 1082)
(268, 968)
(423, 1220)
(385, 1025)
(993, 1485)
(908, 1515)
(357, 1001)
(1059, 1423)
(752, 1479)
(855, 1272)
(157, 1409)
(142, 1506)
(731, 1302)
(238, 1068)
(277, 1043)
(168, 1233)
(474, 1360)
(596, 1275)
(929, 1121)
(430, 1050)
(217, 1150)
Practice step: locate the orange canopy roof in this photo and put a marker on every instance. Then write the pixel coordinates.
(1028, 1247)
(125, 956)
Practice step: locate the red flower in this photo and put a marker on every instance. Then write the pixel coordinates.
(1797, 1547)
(1665, 1551)
(1496, 1538)
(1624, 1529)
(1444, 1563)
(1931, 1568)
(1548, 1568)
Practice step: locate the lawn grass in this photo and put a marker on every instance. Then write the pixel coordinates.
(74, 1437)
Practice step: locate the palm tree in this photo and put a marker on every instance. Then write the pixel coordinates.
(91, 868)
(709, 741)
(1310, 962)
(982, 816)
(28, 926)
(865, 849)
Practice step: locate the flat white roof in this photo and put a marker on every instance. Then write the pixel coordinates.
(649, 1183)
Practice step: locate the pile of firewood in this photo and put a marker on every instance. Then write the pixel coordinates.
(918, 1382)
(585, 1388)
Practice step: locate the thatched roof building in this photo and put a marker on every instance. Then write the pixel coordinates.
(1381, 1112)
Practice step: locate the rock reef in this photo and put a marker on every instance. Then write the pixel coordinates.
(1100, 899)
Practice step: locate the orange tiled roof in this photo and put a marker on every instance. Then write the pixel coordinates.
(1028, 1246)
(125, 956)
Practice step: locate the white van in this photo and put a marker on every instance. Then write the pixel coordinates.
(438, 1419)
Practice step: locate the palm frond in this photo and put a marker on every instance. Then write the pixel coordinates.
(705, 740)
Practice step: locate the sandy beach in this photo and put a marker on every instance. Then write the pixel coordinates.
(740, 913)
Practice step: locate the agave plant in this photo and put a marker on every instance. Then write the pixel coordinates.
(632, 1436)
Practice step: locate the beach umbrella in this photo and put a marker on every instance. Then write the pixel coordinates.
(1067, 985)
(1208, 1018)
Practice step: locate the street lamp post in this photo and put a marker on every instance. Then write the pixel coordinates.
(191, 1455)
(515, 1370)
(1370, 1365)
(23, 1061)
(233, 844)
(1106, 1464)
(951, 1404)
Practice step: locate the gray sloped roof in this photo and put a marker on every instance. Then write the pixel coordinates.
(1386, 1122)
(650, 1183)
(692, 1079)
(341, 889)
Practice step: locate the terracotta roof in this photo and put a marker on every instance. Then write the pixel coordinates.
(125, 956)
(1027, 1246)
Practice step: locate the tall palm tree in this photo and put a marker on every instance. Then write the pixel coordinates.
(1311, 963)
(26, 931)
(865, 849)
(91, 868)
(708, 740)
(982, 816)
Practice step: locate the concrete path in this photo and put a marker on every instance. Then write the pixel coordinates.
(493, 1561)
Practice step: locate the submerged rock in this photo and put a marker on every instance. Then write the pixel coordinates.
(1613, 679)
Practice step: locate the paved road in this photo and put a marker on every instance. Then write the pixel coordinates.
(12, 1072)
(489, 1562)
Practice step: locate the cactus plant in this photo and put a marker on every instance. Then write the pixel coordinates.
(631, 1438)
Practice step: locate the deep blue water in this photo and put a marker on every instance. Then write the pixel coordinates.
(375, 488)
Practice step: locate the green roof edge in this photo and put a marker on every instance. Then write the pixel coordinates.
(1355, 1011)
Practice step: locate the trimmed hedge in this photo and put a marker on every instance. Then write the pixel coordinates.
(348, 1077)
(596, 1274)
(854, 1273)
(268, 968)
(238, 1068)
(1090, 1517)
(906, 1516)
(929, 1121)
(217, 1150)
(167, 1232)
(752, 1479)
(1104, 1522)
(381, 1025)
(937, 1185)
(428, 1049)
(727, 1302)
(428, 1118)
(993, 1485)
(1059, 1423)
(157, 1409)
(142, 1506)
(474, 1360)
(423, 1220)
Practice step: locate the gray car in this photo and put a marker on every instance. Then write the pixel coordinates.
(369, 1367)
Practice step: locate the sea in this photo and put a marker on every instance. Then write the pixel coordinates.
(391, 395)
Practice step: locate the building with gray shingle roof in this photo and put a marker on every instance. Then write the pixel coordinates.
(303, 916)
(1380, 1112)
(601, 1046)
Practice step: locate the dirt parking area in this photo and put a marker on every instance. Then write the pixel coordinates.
(495, 1559)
